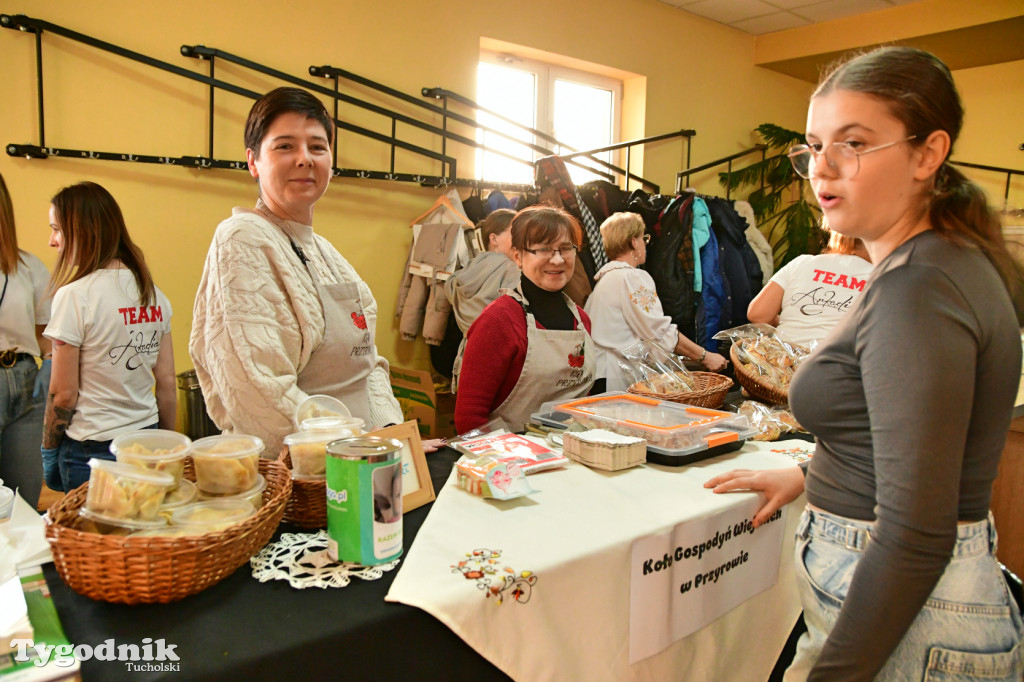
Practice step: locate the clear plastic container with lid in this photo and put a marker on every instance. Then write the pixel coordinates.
(185, 493)
(675, 433)
(125, 492)
(320, 406)
(253, 496)
(227, 464)
(212, 515)
(308, 450)
(157, 449)
(107, 525)
(354, 424)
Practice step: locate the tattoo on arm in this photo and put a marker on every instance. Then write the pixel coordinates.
(55, 423)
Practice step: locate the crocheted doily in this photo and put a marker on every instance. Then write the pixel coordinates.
(302, 560)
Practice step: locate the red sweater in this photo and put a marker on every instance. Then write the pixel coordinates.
(493, 360)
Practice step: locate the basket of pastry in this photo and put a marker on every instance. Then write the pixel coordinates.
(655, 373)
(305, 455)
(136, 533)
(763, 361)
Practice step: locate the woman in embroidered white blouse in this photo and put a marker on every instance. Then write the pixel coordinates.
(624, 306)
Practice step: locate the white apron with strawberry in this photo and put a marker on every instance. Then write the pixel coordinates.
(559, 365)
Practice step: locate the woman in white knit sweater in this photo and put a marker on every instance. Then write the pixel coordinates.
(624, 307)
(280, 314)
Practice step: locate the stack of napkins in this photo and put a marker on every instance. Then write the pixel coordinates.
(23, 540)
(14, 623)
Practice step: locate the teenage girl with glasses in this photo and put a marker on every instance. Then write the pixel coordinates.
(910, 398)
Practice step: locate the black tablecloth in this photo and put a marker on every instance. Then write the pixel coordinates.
(241, 629)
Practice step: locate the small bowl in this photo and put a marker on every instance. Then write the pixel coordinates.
(6, 503)
(212, 515)
(308, 450)
(253, 496)
(320, 406)
(125, 492)
(226, 464)
(156, 449)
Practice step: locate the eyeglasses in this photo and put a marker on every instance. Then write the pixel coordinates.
(842, 157)
(567, 252)
(646, 237)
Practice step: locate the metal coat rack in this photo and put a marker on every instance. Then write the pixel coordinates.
(447, 177)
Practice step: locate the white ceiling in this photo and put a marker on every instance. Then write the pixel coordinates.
(765, 16)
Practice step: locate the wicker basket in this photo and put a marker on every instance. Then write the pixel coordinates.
(307, 505)
(757, 386)
(709, 391)
(154, 569)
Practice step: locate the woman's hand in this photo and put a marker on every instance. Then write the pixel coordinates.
(782, 486)
(714, 362)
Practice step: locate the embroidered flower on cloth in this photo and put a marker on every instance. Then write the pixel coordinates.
(643, 298)
(799, 454)
(484, 567)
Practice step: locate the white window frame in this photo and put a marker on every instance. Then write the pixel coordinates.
(545, 75)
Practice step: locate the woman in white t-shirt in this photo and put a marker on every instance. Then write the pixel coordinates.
(807, 298)
(24, 312)
(111, 332)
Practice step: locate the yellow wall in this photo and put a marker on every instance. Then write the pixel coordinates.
(698, 74)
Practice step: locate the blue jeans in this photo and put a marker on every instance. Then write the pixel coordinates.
(73, 459)
(21, 430)
(969, 626)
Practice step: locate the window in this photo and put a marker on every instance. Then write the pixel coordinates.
(579, 109)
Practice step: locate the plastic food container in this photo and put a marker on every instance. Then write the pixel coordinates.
(212, 515)
(320, 406)
(354, 424)
(6, 503)
(125, 492)
(226, 464)
(107, 525)
(185, 493)
(675, 433)
(308, 450)
(156, 449)
(253, 496)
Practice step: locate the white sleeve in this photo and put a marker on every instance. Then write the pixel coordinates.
(786, 277)
(66, 321)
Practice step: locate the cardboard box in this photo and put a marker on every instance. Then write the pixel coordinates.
(415, 392)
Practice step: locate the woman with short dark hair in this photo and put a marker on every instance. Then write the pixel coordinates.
(280, 314)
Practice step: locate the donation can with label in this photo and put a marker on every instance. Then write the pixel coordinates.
(364, 500)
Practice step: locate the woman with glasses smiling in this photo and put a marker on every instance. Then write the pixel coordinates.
(909, 398)
(625, 309)
(532, 344)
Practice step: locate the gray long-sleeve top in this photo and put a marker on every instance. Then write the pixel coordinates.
(910, 399)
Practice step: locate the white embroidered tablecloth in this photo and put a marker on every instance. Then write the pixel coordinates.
(540, 586)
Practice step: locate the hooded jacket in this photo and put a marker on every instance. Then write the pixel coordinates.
(473, 287)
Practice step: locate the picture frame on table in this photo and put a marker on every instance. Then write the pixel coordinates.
(417, 488)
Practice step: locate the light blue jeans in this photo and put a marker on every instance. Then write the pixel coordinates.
(21, 430)
(969, 629)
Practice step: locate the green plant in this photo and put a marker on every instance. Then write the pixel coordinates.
(791, 224)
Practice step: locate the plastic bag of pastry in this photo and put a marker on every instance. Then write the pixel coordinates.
(488, 477)
(119, 491)
(771, 422)
(226, 464)
(655, 370)
(765, 352)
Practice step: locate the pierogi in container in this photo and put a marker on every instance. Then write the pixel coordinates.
(156, 449)
(226, 464)
(119, 491)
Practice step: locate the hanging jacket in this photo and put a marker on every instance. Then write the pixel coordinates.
(668, 222)
(740, 270)
(758, 242)
(712, 296)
